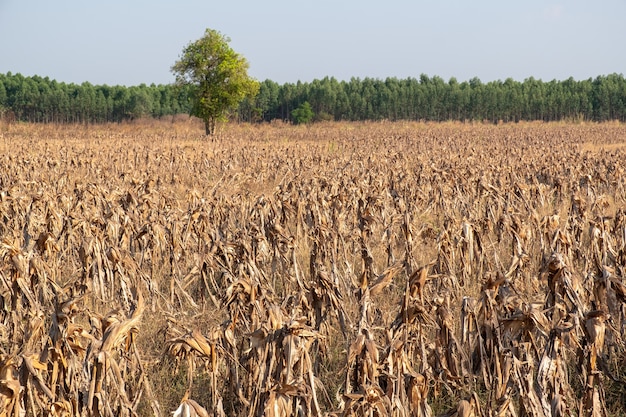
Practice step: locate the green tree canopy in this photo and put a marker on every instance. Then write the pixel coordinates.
(40, 100)
(218, 76)
(303, 114)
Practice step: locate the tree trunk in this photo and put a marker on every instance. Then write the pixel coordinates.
(209, 126)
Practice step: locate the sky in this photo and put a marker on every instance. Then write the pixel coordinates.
(131, 42)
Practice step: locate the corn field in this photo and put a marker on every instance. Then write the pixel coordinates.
(341, 269)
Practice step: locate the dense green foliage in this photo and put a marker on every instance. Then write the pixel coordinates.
(603, 98)
(37, 99)
(303, 114)
(433, 99)
(216, 75)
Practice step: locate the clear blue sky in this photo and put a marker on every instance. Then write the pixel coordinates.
(136, 41)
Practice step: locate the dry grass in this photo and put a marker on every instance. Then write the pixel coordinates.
(404, 269)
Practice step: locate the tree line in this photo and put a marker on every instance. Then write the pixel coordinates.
(39, 99)
(433, 99)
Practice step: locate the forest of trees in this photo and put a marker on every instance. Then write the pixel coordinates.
(38, 99)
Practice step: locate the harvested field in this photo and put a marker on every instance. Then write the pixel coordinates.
(364, 269)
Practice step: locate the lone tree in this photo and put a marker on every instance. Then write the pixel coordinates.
(217, 75)
(303, 114)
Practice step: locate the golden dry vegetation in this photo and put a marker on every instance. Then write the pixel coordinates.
(366, 269)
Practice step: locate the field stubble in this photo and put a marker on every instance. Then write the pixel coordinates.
(403, 269)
